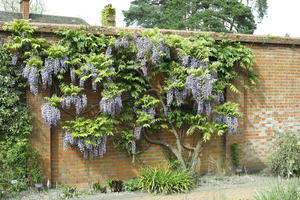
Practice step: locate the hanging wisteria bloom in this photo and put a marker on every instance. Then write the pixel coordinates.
(185, 60)
(133, 146)
(73, 75)
(137, 132)
(231, 121)
(144, 47)
(108, 51)
(200, 107)
(14, 59)
(50, 114)
(198, 64)
(178, 95)
(200, 86)
(52, 67)
(80, 102)
(89, 150)
(208, 108)
(144, 67)
(219, 98)
(121, 43)
(32, 75)
(151, 111)
(159, 51)
(111, 106)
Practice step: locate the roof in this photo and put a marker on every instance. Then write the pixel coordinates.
(39, 18)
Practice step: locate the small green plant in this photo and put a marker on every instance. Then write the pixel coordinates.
(235, 154)
(131, 185)
(282, 191)
(157, 180)
(98, 188)
(285, 154)
(70, 192)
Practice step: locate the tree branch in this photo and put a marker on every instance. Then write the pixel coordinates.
(196, 153)
(160, 142)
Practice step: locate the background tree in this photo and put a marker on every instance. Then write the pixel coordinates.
(259, 7)
(205, 15)
(36, 6)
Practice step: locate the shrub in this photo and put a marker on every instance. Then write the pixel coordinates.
(282, 191)
(131, 185)
(235, 154)
(18, 161)
(98, 188)
(115, 185)
(157, 180)
(285, 154)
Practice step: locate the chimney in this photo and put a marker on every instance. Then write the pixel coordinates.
(109, 16)
(24, 8)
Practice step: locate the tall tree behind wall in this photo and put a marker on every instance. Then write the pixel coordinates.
(206, 15)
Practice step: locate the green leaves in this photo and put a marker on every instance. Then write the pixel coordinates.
(56, 51)
(54, 100)
(83, 128)
(102, 66)
(19, 27)
(228, 109)
(111, 90)
(147, 102)
(70, 90)
(35, 61)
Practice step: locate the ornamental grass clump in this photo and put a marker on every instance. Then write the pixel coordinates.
(283, 190)
(159, 180)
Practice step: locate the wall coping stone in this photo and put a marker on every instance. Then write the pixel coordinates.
(244, 38)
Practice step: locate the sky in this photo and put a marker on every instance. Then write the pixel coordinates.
(281, 20)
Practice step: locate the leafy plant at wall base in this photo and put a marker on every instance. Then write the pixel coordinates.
(98, 188)
(235, 154)
(16, 154)
(285, 154)
(166, 181)
(131, 185)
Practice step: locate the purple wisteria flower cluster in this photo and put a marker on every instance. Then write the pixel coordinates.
(178, 95)
(144, 47)
(201, 88)
(80, 102)
(14, 60)
(50, 114)
(122, 43)
(52, 67)
(231, 121)
(89, 150)
(111, 106)
(159, 51)
(32, 76)
(137, 130)
(193, 63)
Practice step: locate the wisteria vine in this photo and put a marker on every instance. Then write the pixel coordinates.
(142, 81)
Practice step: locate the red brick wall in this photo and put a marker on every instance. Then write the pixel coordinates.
(272, 106)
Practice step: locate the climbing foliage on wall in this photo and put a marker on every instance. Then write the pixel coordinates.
(148, 83)
(19, 163)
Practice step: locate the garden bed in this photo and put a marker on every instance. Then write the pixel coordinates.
(209, 187)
